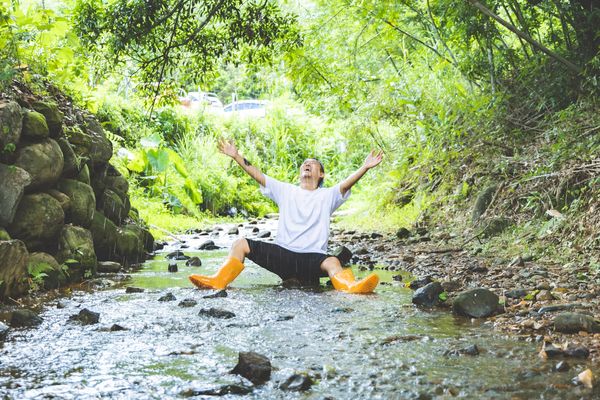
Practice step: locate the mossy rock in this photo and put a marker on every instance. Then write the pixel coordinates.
(483, 201)
(72, 163)
(44, 263)
(54, 117)
(38, 221)
(11, 123)
(76, 243)
(34, 126)
(104, 234)
(83, 201)
(13, 268)
(63, 199)
(144, 234)
(84, 175)
(130, 246)
(495, 226)
(14, 180)
(44, 161)
(91, 145)
(4, 235)
(113, 207)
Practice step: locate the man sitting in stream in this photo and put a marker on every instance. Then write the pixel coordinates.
(300, 248)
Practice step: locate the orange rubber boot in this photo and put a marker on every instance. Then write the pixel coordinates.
(345, 281)
(230, 269)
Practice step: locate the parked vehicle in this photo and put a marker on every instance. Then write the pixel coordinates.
(198, 100)
(247, 108)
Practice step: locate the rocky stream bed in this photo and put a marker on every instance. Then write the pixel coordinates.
(148, 334)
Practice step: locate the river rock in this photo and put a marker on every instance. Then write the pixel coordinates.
(220, 293)
(4, 329)
(132, 289)
(428, 295)
(208, 245)
(516, 293)
(44, 162)
(72, 163)
(11, 123)
(476, 303)
(419, 283)
(86, 317)
(113, 207)
(343, 254)
(104, 233)
(264, 234)
(35, 127)
(185, 303)
(297, 383)
(216, 391)
(13, 268)
(167, 297)
(108, 267)
(38, 221)
(576, 351)
(83, 201)
(194, 262)
(254, 367)
(52, 115)
(24, 318)
(76, 243)
(402, 233)
(177, 255)
(172, 267)
(216, 313)
(44, 262)
(91, 144)
(570, 322)
(233, 231)
(14, 181)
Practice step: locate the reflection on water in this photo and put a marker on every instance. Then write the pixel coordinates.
(367, 347)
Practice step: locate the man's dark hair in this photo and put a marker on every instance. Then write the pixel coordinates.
(320, 184)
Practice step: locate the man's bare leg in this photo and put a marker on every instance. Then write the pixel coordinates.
(240, 249)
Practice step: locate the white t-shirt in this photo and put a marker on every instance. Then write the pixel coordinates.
(303, 214)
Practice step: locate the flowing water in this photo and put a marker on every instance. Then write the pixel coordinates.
(354, 347)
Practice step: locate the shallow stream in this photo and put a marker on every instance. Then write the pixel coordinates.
(354, 347)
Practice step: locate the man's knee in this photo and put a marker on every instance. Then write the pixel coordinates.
(241, 244)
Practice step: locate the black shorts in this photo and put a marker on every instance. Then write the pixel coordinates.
(287, 264)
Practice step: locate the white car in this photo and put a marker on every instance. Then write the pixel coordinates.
(198, 100)
(247, 108)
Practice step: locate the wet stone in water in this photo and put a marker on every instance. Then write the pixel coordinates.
(575, 351)
(217, 391)
(167, 297)
(3, 330)
(220, 293)
(516, 293)
(131, 289)
(117, 327)
(173, 267)
(208, 245)
(194, 262)
(86, 317)
(561, 366)
(419, 283)
(22, 318)
(428, 295)
(264, 234)
(187, 303)
(476, 303)
(177, 255)
(216, 313)
(297, 383)
(254, 367)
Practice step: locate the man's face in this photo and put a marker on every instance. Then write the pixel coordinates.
(311, 169)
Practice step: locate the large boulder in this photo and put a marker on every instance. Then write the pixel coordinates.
(104, 232)
(44, 162)
(253, 366)
(13, 268)
(76, 243)
(10, 124)
(484, 198)
(475, 303)
(34, 126)
(72, 163)
(84, 175)
(91, 145)
(63, 199)
(569, 322)
(54, 117)
(38, 221)
(13, 180)
(113, 207)
(43, 263)
(428, 295)
(130, 246)
(144, 234)
(83, 201)
(117, 183)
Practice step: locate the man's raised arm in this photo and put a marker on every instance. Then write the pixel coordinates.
(228, 148)
(372, 160)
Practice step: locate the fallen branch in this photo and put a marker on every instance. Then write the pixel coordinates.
(166, 231)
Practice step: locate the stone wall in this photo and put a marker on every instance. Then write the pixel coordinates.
(63, 206)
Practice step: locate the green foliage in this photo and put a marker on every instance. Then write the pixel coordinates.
(37, 272)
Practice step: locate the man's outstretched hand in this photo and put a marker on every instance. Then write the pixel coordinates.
(228, 148)
(373, 159)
